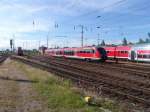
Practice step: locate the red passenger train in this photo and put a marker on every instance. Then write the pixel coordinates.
(85, 53)
(140, 52)
(118, 52)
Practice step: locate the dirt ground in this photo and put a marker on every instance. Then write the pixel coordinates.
(16, 92)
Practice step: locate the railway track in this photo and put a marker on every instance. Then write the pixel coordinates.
(134, 70)
(91, 80)
(119, 79)
(130, 75)
(3, 58)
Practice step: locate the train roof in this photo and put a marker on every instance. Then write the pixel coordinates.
(109, 48)
(141, 47)
(73, 48)
(118, 48)
(123, 48)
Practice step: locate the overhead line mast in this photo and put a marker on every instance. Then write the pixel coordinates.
(82, 32)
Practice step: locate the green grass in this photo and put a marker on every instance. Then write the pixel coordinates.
(59, 95)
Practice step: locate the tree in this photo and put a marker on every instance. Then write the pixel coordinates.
(141, 41)
(130, 43)
(149, 34)
(124, 42)
(103, 43)
(147, 40)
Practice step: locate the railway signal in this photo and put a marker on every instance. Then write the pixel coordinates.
(11, 44)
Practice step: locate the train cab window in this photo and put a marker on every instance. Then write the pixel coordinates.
(108, 51)
(93, 51)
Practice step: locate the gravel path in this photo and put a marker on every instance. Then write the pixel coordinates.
(16, 92)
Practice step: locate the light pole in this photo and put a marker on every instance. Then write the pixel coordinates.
(98, 36)
(98, 39)
(98, 27)
(47, 40)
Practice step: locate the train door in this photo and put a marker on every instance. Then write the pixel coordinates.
(133, 55)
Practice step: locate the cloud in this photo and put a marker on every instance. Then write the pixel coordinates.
(17, 16)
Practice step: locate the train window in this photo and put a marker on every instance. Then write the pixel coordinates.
(147, 56)
(144, 56)
(80, 51)
(122, 52)
(139, 56)
(72, 52)
(58, 52)
(83, 51)
(107, 51)
(126, 52)
(88, 51)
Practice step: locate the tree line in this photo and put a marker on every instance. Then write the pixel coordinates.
(125, 41)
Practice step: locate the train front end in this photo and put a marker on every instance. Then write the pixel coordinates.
(102, 53)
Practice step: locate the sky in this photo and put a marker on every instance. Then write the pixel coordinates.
(30, 22)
